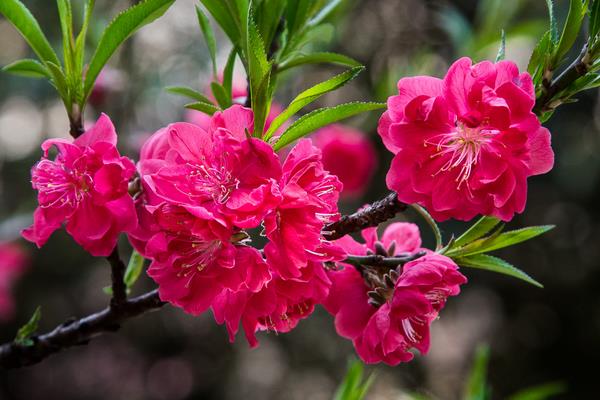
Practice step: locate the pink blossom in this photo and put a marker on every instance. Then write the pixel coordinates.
(348, 154)
(387, 332)
(220, 173)
(310, 196)
(85, 186)
(465, 145)
(13, 262)
(109, 82)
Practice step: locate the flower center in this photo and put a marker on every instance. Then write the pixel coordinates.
(461, 148)
(194, 255)
(59, 186)
(216, 181)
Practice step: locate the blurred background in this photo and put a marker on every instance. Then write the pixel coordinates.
(536, 335)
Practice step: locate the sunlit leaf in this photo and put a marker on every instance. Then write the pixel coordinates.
(26, 331)
(27, 67)
(495, 264)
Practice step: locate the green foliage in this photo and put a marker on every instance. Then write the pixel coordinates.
(541, 392)
(595, 20)
(134, 269)
(477, 230)
(495, 264)
(318, 58)
(310, 95)
(123, 26)
(322, 117)
(26, 331)
(206, 108)
(476, 387)
(29, 68)
(577, 11)
(354, 386)
(222, 96)
(209, 37)
(502, 50)
(187, 92)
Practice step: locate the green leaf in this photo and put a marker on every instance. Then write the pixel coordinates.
(59, 81)
(134, 269)
(495, 264)
(432, 224)
(123, 26)
(206, 108)
(354, 386)
(477, 387)
(27, 67)
(65, 14)
(502, 50)
(209, 36)
(540, 54)
(79, 55)
(322, 117)
(220, 13)
(324, 12)
(24, 333)
(310, 95)
(595, 19)
(259, 70)
(228, 72)
(188, 92)
(553, 24)
(223, 98)
(577, 11)
(268, 16)
(318, 58)
(499, 241)
(540, 392)
(25, 22)
(479, 229)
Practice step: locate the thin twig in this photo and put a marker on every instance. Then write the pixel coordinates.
(117, 272)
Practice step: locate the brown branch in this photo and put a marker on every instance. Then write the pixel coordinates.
(117, 272)
(373, 215)
(576, 70)
(78, 332)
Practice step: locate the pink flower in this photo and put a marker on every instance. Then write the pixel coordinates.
(86, 187)
(193, 263)
(310, 196)
(220, 173)
(109, 82)
(387, 331)
(465, 145)
(13, 262)
(348, 154)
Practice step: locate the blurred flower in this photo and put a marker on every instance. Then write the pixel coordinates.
(109, 82)
(466, 144)
(348, 154)
(13, 262)
(409, 299)
(86, 186)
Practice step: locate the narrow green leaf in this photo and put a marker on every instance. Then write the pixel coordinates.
(220, 13)
(540, 392)
(259, 70)
(223, 98)
(318, 58)
(123, 26)
(324, 12)
(322, 117)
(595, 19)
(500, 241)
(188, 92)
(65, 14)
(27, 67)
(477, 230)
(310, 95)
(432, 224)
(268, 17)
(228, 72)
(553, 24)
(134, 269)
(495, 264)
(477, 387)
(80, 49)
(59, 81)
(209, 37)
(502, 50)
(25, 22)
(577, 11)
(541, 51)
(206, 108)
(24, 333)
(354, 386)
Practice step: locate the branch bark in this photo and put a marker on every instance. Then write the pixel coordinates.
(79, 332)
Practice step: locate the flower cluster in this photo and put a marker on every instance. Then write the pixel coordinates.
(86, 186)
(387, 313)
(465, 145)
(203, 190)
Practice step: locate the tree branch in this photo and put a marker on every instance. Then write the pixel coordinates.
(117, 272)
(373, 215)
(576, 70)
(79, 332)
